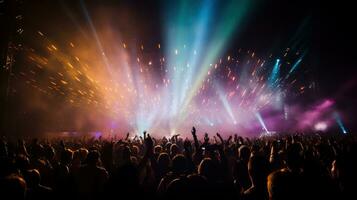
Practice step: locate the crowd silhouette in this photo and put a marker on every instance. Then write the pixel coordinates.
(277, 167)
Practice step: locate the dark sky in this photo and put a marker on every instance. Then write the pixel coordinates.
(327, 28)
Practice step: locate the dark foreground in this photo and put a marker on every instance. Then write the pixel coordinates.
(284, 167)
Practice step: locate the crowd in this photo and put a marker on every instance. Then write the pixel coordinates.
(278, 167)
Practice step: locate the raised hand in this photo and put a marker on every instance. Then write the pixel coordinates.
(215, 139)
(206, 138)
(144, 134)
(229, 139)
(220, 137)
(193, 131)
(187, 145)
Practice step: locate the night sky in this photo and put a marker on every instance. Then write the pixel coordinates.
(328, 28)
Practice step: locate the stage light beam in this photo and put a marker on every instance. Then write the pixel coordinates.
(274, 74)
(260, 119)
(339, 123)
(226, 104)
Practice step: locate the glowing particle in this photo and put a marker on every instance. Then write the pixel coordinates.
(54, 47)
(70, 65)
(64, 82)
(75, 77)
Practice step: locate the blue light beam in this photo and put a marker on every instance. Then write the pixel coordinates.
(260, 119)
(274, 74)
(339, 123)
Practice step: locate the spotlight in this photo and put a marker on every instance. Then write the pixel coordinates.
(320, 126)
(274, 74)
(339, 122)
(260, 119)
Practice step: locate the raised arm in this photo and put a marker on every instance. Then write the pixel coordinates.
(149, 146)
(198, 151)
(195, 140)
(144, 135)
(220, 138)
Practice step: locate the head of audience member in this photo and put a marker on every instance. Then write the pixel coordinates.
(278, 185)
(32, 177)
(157, 149)
(83, 152)
(66, 157)
(207, 168)
(244, 153)
(22, 162)
(126, 153)
(177, 188)
(179, 164)
(13, 187)
(163, 161)
(174, 150)
(37, 150)
(49, 152)
(134, 160)
(93, 158)
(135, 151)
(167, 146)
(294, 156)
